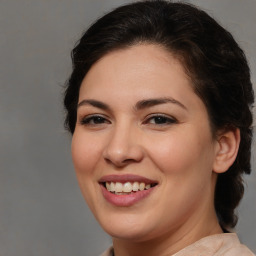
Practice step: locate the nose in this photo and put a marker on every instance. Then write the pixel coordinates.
(123, 146)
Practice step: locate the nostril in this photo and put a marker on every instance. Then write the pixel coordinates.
(120, 163)
(129, 160)
(119, 152)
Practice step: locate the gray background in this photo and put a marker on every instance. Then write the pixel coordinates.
(41, 209)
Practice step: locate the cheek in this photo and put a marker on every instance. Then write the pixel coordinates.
(85, 156)
(186, 165)
(84, 153)
(182, 153)
(171, 154)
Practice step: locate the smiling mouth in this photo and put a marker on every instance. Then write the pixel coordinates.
(127, 188)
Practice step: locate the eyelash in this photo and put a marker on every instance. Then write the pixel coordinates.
(96, 119)
(162, 120)
(159, 120)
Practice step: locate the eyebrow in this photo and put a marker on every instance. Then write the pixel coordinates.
(153, 102)
(94, 103)
(142, 104)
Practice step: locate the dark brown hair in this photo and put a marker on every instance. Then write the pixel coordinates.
(215, 63)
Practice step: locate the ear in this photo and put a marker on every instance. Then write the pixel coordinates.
(226, 150)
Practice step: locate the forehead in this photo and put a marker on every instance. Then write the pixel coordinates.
(141, 67)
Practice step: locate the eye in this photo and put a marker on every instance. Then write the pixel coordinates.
(94, 120)
(160, 119)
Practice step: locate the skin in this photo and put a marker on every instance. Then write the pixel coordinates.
(179, 152)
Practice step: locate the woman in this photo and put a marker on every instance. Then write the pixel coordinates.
(159, 105)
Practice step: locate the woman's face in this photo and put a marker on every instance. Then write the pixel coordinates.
(142, 147)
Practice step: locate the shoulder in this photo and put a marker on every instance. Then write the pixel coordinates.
(240, 250)
(108, 252)
(231, 246)
(217, 245)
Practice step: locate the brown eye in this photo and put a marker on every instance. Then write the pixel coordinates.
(94, 120)
(160, 120)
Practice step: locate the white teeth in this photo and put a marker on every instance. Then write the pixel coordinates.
(142, 186)
(127, 187)
(135, 186)
(119, 187)
(112, 187)
(108, 186)
(147, 186)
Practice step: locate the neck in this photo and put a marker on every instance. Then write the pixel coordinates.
(167, 244)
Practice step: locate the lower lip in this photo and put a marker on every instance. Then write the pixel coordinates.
(125, 200)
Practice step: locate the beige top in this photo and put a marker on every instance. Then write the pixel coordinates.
(226, 244)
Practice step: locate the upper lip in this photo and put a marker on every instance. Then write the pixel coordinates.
(126, 178)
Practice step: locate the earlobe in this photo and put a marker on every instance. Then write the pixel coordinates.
(226, 150)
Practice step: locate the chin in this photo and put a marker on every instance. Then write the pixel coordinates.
(128, 234)
(130, 227)
(123, 225)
